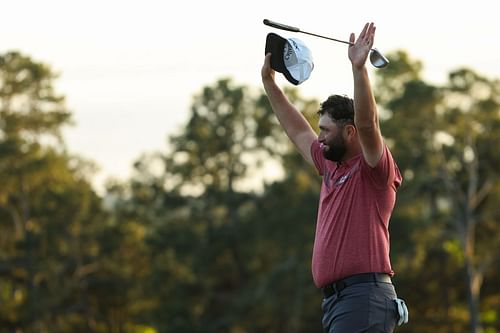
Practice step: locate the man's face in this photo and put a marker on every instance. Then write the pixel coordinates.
(331, 139)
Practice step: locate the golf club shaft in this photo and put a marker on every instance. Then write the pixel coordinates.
(334, 39)
(295, 29)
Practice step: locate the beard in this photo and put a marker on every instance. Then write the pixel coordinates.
(335, 149)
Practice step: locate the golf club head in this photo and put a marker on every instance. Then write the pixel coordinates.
(377, 59)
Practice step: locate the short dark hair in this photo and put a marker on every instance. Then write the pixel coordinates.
(340, 108)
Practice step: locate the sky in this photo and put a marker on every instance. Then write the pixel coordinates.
(129, 69)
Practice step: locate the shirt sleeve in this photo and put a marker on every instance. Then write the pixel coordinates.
(317, 156)
(386, 173)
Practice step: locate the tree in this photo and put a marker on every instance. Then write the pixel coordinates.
(221, 248)
(469, 171)
(48, 209)
(443, 138)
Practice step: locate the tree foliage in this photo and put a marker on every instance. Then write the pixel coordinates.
(200, 239)
(444, 140)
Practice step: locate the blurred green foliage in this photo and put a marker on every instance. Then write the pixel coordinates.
(199, 240)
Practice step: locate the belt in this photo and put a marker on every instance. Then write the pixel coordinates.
(338, 286)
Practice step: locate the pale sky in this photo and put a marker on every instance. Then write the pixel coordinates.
(130, 68)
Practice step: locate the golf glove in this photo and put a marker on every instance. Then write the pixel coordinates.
(403, 311)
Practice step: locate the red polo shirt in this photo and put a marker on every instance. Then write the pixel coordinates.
(355, 205)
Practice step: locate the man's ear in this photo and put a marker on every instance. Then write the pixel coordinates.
(349, 132)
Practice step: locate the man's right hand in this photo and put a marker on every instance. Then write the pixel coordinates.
(267, 72)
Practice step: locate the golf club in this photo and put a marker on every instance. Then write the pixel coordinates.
(377, 59)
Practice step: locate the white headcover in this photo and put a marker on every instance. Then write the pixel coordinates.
(298, 60)
(290, 57)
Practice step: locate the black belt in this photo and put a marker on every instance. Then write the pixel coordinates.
(338, 286)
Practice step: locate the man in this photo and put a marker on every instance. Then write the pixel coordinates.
(351, 249)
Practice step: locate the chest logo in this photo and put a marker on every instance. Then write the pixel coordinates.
(342, 179)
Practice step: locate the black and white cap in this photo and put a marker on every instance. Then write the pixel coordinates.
(290, 57)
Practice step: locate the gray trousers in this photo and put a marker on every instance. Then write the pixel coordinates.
(364, 307)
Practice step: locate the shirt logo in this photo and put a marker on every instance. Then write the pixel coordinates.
(330, 180)
(343, 179)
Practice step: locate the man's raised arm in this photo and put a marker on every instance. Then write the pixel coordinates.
(365, 108)
(293, 122)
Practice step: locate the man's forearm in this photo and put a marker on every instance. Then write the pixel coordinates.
(293, 122)
(365, 115)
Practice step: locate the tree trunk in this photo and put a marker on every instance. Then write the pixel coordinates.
(474, 276)
(474, 280)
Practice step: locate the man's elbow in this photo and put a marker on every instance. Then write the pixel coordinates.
(367, 127)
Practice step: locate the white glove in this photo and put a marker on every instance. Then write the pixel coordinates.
(403, 311)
